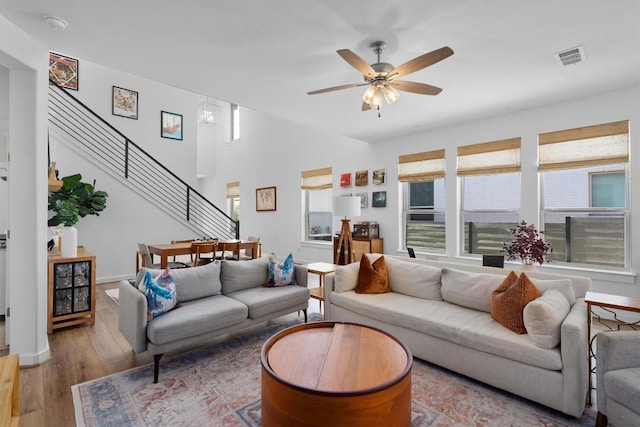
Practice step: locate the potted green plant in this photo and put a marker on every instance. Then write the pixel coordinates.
(74, 200)
(527, 245)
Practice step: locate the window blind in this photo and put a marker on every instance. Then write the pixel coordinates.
(596, 145)
(233, 190)
(417, 167)
(489, 158)
(317, 179)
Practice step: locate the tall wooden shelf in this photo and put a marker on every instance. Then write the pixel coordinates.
(72, 289)
(360, 246)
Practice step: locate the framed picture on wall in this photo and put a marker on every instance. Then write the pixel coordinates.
(364, 199)
(171, 125)
(345, 180)
(266, 199)
(63, 70)
(378, 176)
(124, 103)
(379, 199)
(362, 178)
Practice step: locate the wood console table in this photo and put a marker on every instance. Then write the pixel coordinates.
(360, 246)
(607, 303)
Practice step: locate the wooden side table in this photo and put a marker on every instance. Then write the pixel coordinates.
(607, 303)
(321, 269)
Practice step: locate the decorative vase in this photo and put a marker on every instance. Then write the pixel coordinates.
(528, 267)
(69, 242)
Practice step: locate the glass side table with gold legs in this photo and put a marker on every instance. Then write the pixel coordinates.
(608, 303)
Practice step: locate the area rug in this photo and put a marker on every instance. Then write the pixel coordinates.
(220, 386)
(114, 294)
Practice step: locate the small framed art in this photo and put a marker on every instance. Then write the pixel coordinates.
(364, 199)
(124, 103)
(63, 70)
(345, 180)
(378, 176)
(266, 199)
(362, 178)
(379, 199)
(171, 125)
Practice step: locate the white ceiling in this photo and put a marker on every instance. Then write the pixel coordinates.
(266, 55)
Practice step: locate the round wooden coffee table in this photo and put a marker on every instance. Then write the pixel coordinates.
(335, 374)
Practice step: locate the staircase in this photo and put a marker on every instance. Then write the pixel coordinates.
(99, 142)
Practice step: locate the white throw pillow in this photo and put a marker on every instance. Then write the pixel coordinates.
(413, 279)
(346, 277)
(543, 317)
(469, 289)
(563, 285)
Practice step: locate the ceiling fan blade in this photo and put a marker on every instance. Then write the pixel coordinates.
(358, 63)
(331, 89)
(421, 62)
(365, 106)
(421, 88)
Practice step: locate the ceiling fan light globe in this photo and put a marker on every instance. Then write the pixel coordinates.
(391, 94)
(369, 94)
(376, 101)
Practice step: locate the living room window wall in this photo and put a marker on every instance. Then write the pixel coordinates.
(423, 200)
(584, 184)
(490, 199)
(317, 194)
(233, 199)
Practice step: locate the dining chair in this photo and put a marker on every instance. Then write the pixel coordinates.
(247, 254)
(184, 241)
(202, 248)
(144, 258)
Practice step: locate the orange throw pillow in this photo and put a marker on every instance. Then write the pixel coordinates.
(372, 278)
(509, 299)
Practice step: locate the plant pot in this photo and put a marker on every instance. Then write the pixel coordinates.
(69, 242)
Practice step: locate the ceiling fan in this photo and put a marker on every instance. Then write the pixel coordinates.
(381, 76)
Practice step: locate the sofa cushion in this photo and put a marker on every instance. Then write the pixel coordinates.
(195, 318)
(563, 285)
(346, 277)
(192, 283)
(468, 289)
(160, 293)
(622, 385)
(280, 274)
(510, 298)
(238, 275)
(264, 301)
(470, 328)
(413, 279)
(372, 277)
(543, 318)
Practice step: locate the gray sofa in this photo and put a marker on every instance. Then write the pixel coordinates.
(442, 312)
(216, 299)
(618, 378)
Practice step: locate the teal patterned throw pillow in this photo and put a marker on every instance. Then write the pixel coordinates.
(280, 274)
(160, 293)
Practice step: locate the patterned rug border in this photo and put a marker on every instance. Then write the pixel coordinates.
(467, 400)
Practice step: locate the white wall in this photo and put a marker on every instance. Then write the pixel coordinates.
(4, 143)
(26, 61)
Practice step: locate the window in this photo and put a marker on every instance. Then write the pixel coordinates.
(233, 197)
(490, 174)
(584, 194)
(422, 177)
(317, 193)
(235, 122)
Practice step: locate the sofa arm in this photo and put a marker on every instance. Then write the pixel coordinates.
(617, 350)
(301, 274)
(132, 316)
(574, 350)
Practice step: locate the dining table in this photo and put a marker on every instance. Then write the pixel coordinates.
(166, 250)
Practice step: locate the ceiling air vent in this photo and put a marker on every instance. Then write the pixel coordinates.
(570, 56)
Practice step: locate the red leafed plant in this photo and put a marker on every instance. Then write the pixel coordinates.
(527, 245)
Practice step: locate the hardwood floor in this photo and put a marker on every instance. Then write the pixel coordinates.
(79, 354)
